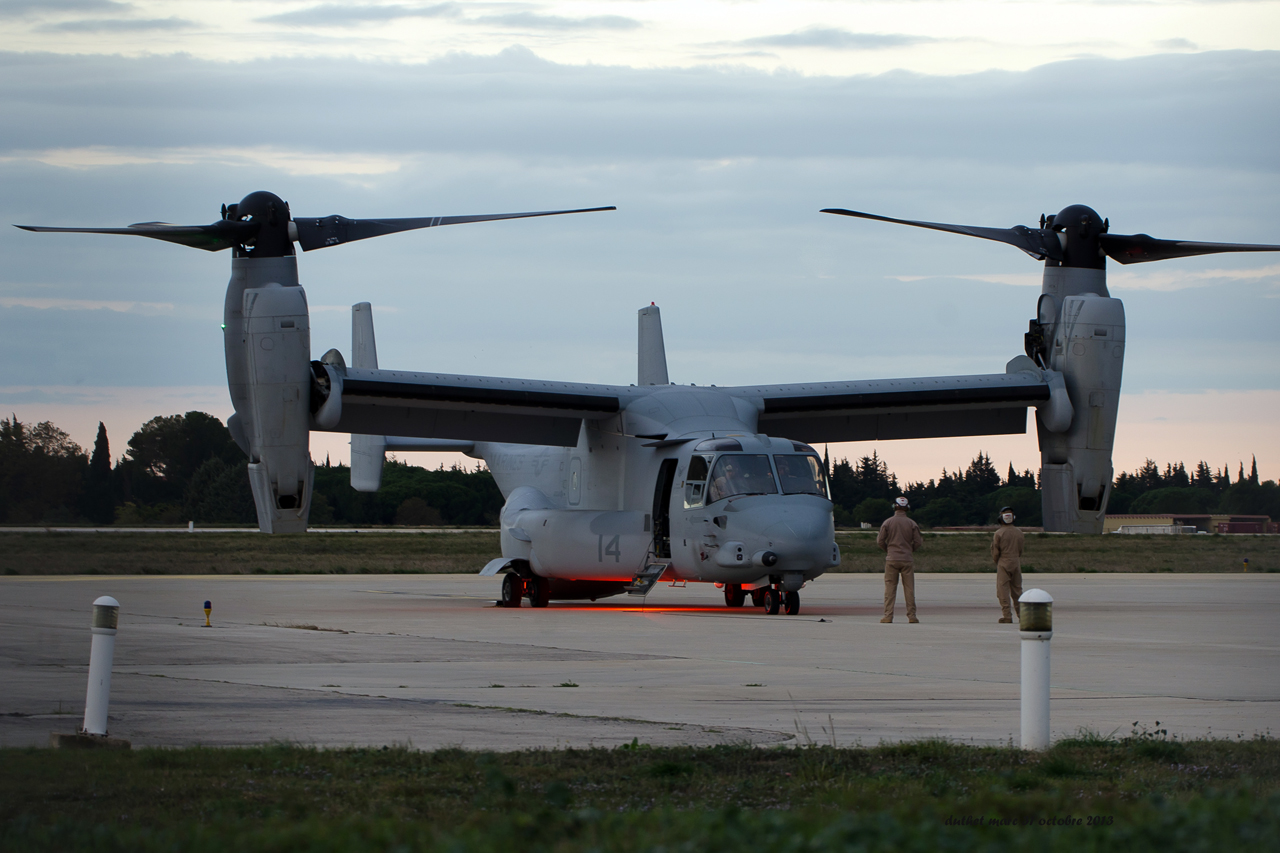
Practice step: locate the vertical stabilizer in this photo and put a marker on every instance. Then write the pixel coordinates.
(652, 352)
(368, 452)
(364, 350)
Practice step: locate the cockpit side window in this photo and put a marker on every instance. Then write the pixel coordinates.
(801, 475)
(741, 474)
(695, 482)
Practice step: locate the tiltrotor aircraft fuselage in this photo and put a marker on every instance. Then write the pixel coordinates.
(611, 488)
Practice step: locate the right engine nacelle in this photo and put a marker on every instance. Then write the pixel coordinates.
(277, 347)
(1087, 348)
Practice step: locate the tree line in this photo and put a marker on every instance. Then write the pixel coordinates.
(181, 468)
(863, 490)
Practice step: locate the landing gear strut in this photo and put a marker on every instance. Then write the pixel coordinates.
(538, 590)
(512, 589)
(734, 595)
(775, 599)
(772, 601)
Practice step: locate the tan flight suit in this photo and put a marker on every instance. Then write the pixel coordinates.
(1006, 549)
(899, 538)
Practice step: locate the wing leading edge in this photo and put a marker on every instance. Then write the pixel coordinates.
(881, 409)
(529, 411)
(471, 408)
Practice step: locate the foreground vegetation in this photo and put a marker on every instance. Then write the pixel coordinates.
(392, 553)
(1142, 792)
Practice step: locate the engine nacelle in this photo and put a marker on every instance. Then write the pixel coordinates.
(276, 350)
(1087, 348)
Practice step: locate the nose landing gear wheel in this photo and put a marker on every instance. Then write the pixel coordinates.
(733, 595)
(512, 589)
(791, 603)
(539, 590)
(772, 601)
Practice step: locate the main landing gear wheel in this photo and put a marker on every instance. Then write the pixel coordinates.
(733, 595)
(539, 590)
(772, 601)
(512, 589)
(757, 597)
(791, 603)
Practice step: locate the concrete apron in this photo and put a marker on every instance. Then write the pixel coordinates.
(407, 658)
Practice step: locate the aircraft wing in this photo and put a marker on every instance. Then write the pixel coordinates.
(471, 408)
(877, 409)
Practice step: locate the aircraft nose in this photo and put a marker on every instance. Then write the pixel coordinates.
(799, 530)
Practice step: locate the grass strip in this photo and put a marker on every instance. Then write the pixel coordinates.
(1142, 792)
(466, 553)
(120, 553)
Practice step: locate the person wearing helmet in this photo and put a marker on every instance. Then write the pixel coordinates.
(899, 538)
(1006, 550)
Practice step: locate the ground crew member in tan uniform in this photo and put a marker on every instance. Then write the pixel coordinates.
(1006, 550)
(899, 538)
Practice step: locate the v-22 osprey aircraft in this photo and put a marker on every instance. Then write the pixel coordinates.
(611, 488)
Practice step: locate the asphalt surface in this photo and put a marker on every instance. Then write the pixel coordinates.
(428, 660)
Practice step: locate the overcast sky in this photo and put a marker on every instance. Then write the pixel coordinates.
(718, 128)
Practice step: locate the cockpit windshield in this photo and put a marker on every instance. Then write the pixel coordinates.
(801, 475)
(741, 474)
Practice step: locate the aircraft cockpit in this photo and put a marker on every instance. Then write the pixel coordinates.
(722, 468)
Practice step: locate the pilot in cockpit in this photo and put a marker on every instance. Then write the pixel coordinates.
(730, 482)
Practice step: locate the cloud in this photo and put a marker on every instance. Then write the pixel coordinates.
(1169, 278)
(1012, 279)
(33, 8)
(1177, 44)
(342, 14)
(1224, 113)
(534, 21)
(119, 25)
(289, 161)
(336, 14)
(834, 38)
(45, 303)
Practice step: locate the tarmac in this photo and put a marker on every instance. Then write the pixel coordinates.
(429, 661)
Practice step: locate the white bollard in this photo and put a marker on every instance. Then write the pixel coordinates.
(1035, 624)
(106, 613)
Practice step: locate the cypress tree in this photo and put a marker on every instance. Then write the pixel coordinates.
(100, 461)
(98, 506)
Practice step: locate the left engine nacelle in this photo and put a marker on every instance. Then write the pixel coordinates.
(277, 341)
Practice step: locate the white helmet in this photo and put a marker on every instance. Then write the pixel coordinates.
(901, 503)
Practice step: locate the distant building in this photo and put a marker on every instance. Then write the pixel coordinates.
(1189, 523)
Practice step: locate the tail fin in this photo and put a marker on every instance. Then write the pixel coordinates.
(368, 452)
(652, 362)
(364, 350)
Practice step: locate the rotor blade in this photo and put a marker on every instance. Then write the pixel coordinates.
(1029, 240)
(1137, 248)
(222, 234)
(333, 230)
